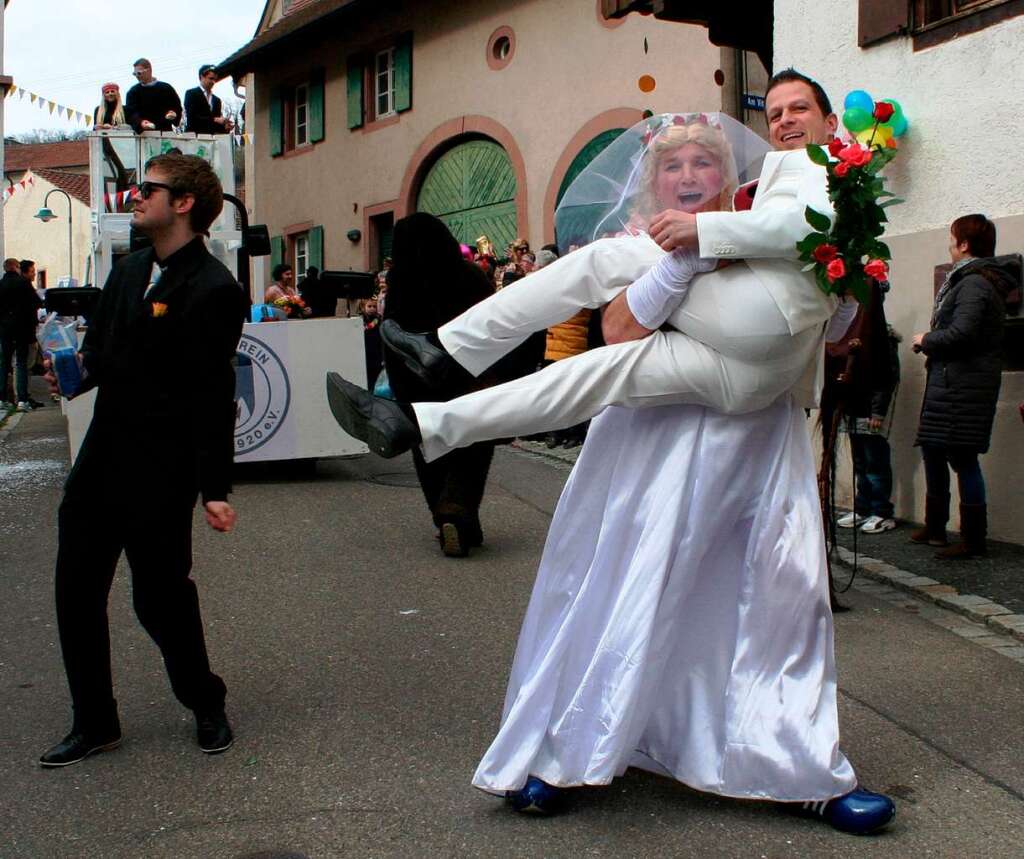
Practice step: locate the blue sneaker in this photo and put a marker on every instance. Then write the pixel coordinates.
(537, 797)
(858, 812)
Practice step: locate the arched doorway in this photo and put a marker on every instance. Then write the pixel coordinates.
(565, 226)
(472, 188)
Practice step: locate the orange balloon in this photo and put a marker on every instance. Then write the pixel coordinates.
(646, 83)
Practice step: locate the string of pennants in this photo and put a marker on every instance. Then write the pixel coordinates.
(241, 139)
(23, 185)
(45, 103)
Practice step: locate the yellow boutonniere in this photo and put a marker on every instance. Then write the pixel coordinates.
(159, 309)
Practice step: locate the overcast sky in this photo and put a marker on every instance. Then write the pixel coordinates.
(64, 50)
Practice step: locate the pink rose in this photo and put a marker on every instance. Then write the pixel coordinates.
(855, 155)
(877, 269)
(835, 270)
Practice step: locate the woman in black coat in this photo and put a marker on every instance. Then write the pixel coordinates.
(964, 367)
(429, 284)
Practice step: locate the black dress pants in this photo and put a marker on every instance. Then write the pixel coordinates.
(120, 497)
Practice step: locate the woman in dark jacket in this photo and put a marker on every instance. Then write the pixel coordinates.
(429, 284)
(964, 368)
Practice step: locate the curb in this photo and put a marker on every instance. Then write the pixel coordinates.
(996, 617)
(8, 424)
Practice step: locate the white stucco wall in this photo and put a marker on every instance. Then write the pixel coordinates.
(26, 237)
(962, 99)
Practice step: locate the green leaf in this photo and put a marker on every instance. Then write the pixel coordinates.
(809, 266)
(817, 154)
(895, 201)
(820, 222)
(808, 243)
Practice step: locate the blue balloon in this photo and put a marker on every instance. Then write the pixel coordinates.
(859, 98)
(899, 124)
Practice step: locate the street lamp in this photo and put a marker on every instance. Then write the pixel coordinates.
(46, 215)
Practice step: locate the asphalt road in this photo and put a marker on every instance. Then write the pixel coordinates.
(366, 675)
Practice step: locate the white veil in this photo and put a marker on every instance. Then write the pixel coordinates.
(605, 198)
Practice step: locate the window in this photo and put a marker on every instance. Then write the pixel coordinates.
(930, 22)
(302, 263)
(296, 115)
(384, 84)
(379, 82)
(300, 110)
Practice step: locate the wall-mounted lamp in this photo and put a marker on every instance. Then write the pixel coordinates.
(354, 235)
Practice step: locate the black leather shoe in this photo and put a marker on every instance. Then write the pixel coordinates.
(77, 746)
(422, 353)
(213, 732)
(381, 423)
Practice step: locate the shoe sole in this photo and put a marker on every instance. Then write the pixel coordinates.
(341, 397)
(431, 378)
(108, 747)
(878, 530)
(218, 750)
(451, 542)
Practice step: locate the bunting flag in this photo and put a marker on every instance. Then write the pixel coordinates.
(23, 185)
(63, 111)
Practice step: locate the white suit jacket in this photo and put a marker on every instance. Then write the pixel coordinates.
(765, 236)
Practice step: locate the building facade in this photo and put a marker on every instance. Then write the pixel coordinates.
(481, 113)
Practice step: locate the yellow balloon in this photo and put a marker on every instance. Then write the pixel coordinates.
(875, 136)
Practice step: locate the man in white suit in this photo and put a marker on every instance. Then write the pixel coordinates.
(658, 367)
(647, 367)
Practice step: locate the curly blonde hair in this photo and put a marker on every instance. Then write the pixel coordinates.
(671, 138)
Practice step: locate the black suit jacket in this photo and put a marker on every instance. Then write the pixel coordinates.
(162, 364)
(198, 114)
(18, 306)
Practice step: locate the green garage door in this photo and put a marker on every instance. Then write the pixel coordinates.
(472, 188)
(575, 226)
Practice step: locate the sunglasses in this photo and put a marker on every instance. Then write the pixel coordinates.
(146, 189)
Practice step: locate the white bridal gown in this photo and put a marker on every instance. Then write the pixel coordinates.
(680, 619)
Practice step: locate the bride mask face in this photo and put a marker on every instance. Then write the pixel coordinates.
(689, 179)
(689, 168)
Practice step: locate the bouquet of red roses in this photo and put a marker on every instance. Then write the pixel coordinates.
(845, 253)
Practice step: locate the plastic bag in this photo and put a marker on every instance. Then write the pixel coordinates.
(382, 387)
(59, 342)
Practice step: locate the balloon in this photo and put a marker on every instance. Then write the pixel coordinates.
(883, 134)
(862, 137)
(857, 119)
(899, 124)
(859, 99)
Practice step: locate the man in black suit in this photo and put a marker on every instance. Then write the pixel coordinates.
(159, 351)
(18, 306)
(151, 105)
(203, 108)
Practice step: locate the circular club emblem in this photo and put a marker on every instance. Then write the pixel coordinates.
(262, 394)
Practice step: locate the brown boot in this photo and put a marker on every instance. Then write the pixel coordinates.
(936, 514)
(973, 528)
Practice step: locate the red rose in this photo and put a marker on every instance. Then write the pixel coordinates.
(825, 253)
(883, 111)
(855, 155)
(835, 270)
(877, 269)
(841, 169)
(835, 145)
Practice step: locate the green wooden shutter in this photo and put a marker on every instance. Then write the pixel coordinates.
(276, 123)
(316, 248)
(316, 107)
(403, 73)
(354, 83)
(276, 251)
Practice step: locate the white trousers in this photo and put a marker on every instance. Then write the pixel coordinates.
(731, 350)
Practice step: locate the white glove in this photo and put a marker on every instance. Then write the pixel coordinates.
(654, 297)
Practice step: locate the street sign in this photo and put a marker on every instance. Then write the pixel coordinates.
(753, 102)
